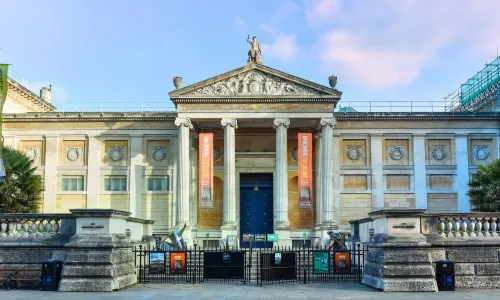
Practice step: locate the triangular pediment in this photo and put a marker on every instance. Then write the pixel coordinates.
(254, 80)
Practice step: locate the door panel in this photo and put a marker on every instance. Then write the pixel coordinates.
(256, 215)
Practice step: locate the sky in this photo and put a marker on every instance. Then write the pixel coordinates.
(128, 51)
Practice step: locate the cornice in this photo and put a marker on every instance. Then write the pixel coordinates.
(35, 99)
(490, 116)
(257, 99)
(89, 117)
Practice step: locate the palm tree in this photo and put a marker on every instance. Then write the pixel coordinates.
(484, 190)
(21, 192)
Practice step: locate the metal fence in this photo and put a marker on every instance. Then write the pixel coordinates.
(261, 266)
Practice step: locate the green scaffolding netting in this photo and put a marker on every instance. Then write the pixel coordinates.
(481, 81)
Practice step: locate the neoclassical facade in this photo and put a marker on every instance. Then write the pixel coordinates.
(147, 163)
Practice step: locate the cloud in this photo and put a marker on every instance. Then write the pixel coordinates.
(386, 44)
(240, 21)
(284, 48)
(318, 11)
(284, 12)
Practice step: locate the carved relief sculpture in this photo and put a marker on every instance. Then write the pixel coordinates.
(33, 153)
(253, 82)
(159, 153)
(438, 152)
(217, 154)
(116, 153)
(295, 153)
(481, 152)
(74, 153)
(354, 152)
(396, 152)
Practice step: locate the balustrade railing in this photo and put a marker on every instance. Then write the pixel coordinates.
(30, 225)
(472, 225)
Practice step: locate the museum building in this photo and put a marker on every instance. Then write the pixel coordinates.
(253, 150)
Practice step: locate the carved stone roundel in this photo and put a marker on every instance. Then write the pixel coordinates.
(216, 154)
(439, 152)
(396, 152)
(354, 152)
(295, 154)
(481, 152)
(116, 153)
(33, 153)
(74, 153)
(159, 153)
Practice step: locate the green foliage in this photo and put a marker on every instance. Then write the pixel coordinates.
(22, 190)
(484, 190)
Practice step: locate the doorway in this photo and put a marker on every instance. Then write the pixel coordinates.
(256, 207)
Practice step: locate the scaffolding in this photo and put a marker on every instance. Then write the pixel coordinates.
(477, 92)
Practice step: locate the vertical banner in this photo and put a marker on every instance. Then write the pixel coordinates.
(206, 161)
(4, 87)
(305, 170)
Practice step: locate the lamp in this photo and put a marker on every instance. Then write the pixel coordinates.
(256, 187)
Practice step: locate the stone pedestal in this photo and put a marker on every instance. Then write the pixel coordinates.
(399, 259)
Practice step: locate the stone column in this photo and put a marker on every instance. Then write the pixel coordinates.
(327, 193)
(229, 221)
(319, 175)
(377, 171)
(193, 173)
(462, 159)
(335, 150)
(93, 178)
(50, 177)
(281, 126)
(183, 178)
(420, 173)
(135, 176)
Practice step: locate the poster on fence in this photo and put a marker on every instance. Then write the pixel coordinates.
(178, 262)
(305, 170)
(321, 262)
(157, 262)
(206, 169)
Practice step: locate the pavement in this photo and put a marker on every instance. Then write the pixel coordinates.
(247, 292)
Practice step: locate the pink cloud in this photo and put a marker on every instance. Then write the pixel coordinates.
(322, 10)
(284, 48)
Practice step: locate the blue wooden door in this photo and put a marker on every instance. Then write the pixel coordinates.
(256, 212)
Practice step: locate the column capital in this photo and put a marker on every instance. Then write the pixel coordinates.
(281, 121)
(186, 122)
(229, 122)
(328, 122)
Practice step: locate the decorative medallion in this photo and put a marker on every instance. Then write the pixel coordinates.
(354, 152)
(481, 152)
(396, 152)
(74, 153)
(216, 154)
(116, 153)
(159, 153)
(295, 153)
(33, 153)
(438, 152)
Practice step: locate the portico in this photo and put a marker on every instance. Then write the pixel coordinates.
(256, 112)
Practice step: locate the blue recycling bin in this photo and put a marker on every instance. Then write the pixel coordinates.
(51, 275)
(445, 275)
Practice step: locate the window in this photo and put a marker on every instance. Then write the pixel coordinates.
(72, 184)
(155, 184)
(115, 184)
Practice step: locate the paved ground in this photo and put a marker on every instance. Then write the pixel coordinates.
(242, 292)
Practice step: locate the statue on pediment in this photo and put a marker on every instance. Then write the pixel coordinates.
(254, 54)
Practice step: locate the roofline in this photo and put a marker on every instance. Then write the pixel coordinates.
(30, 93)
(417, 116)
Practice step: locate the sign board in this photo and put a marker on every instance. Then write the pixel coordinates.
(207, 235)
(272, 237)
(277, 258)
(260, 237)
(206, 165)
(305, 170)
(321, 262)
(304, 235)
(157, 262)
(178, 262)
(92, 226)
(247, 237)
(231, 241)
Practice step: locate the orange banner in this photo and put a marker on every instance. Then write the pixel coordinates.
(305, 170)
(206, 162)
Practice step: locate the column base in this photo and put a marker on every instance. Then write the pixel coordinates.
(283, 233)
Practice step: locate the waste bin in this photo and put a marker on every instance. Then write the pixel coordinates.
(445, 275)
(51, 275)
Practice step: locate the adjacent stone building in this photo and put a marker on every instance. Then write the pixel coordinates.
(147, 162)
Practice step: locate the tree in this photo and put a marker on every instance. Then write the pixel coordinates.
(484, 190)
(21, 192)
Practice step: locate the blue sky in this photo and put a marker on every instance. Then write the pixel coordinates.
(129, 51)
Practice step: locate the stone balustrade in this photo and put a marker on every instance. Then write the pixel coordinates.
(464, 225)
(31, 225)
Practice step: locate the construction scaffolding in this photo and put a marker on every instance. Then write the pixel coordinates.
(479, 93)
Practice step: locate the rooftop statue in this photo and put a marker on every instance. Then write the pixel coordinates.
(254, 54)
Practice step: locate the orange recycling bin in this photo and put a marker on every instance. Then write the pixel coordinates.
(342, 261)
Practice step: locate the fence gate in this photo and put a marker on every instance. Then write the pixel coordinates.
(261, 266)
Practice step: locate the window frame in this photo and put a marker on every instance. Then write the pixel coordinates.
(111, 190)
(83, 183)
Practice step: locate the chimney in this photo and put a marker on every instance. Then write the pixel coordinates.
(46, 93)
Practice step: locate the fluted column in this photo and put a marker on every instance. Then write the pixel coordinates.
(229, 172)
(183, 178)
(328, 204)
(319, 175)
(281, 125)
